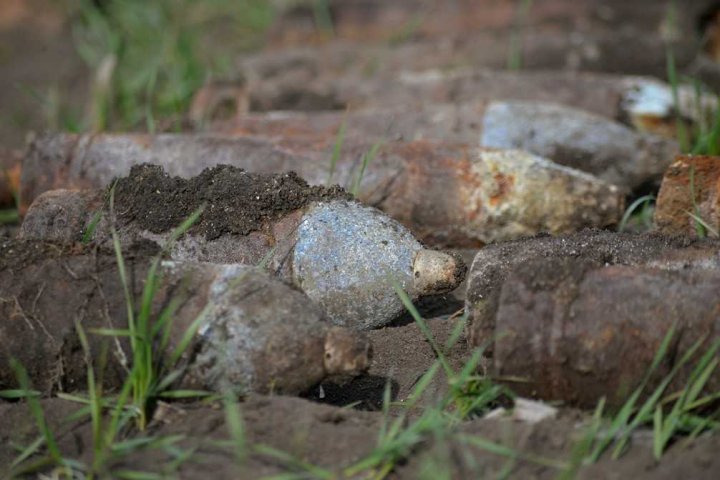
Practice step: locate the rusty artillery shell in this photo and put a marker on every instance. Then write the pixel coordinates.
(447, 194)
(576, 331)
(255, 333)
(493, 264)
(366, 21)
(567, 136)
(645, 103)
(342, 254)
(690, 196)
(619, 36)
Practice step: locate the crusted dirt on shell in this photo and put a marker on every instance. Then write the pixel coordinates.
(236, 201)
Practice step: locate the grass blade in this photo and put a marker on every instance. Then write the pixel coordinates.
(235, 426)
(366, 159)
(644, 200)
(13, 394)
(701, 226)
(37, 411)
(407, 302)
(337, 149)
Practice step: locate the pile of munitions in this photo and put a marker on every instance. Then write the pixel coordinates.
(337, 182)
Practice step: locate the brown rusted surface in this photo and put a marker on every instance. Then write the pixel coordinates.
(378, 21)
(62, 215)
(575, 332)
(691, 186)
(434, 188)
(504, 187)
(218, 101)
(664, 126)
(290, 80)
(296, 80)
(494, 263)
(616, 36)
(375, 20)
(710, 24)
(40, 300)
(565, 135)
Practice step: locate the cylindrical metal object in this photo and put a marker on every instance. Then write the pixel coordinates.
(645, 103)
(567, 136)
(493, 264)
(447, 194)
(342, 254)
(553, 34)
(576, 332)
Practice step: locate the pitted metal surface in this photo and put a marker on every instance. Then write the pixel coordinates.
(258, 334)
(344, 259)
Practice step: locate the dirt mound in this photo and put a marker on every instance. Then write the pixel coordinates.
(333, 438)
(235, 201)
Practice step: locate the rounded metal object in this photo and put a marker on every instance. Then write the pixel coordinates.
(346, 258)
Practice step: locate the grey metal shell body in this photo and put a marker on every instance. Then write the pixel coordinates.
(257, 333)
(346, 258)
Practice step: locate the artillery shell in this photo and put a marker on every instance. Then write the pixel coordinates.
(645, 103)
(636, 41)
(570, 137)
(447, 194)
(414, 20)
(579, 140)
(256, 333)
(577, 332)
(493, 264)
(689, 198)
(342, 254)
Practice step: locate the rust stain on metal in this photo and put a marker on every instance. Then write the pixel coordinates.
(691, 184)
(503, 187)
(663, 126)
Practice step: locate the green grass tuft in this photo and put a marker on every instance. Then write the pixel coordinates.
(686, 416)
(643, 217)
(149, 57)
(337, 149)
(515, 51)
(367, 157)
(149, 378)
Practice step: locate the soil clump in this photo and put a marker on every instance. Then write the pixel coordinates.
(236, 201)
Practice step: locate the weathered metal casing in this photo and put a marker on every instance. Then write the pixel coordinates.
(690, 196)
(256, 334)
(447, 194)
(345, 256)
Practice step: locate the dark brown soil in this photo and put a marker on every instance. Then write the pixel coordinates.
(44, 288)
(17, 255)
(235, 201)
(334, 438)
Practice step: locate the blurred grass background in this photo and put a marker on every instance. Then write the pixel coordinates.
(116, 64)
